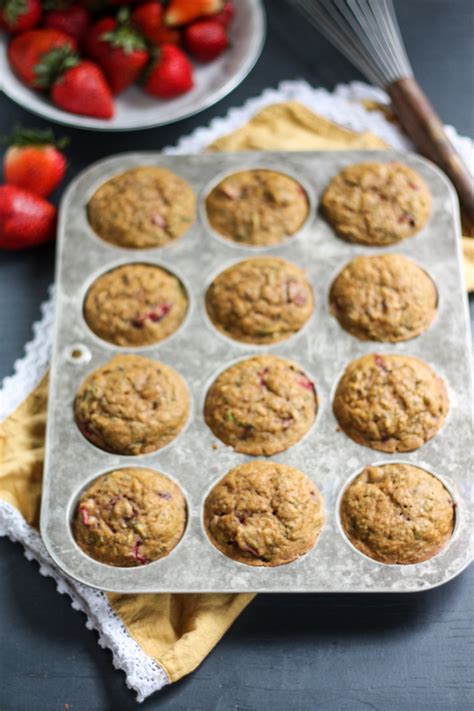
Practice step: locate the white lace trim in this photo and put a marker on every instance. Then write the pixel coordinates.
(142, 673)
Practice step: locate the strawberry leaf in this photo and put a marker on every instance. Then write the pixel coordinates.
(53, 64)
(23, 137)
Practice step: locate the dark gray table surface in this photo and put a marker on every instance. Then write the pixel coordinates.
(330, 652)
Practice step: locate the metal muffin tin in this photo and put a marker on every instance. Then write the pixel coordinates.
(199, 353)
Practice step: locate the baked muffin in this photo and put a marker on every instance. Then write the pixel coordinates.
(261, 405)
(377, 203)
(143, 207)
(383, 298)
(130, 517)
(263, 513)
(135, 305)
(397, 513)
(260, 300)
(393, 403)
(132, 405)
(257, 207)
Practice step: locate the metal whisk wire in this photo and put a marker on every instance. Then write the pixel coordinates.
(366, 32)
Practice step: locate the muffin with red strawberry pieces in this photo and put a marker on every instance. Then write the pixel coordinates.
(130, 517)
(143, 207)
(257, 207)
(260, 300)
(377, 203)
(393, 403)
(261, 405)
(132, 405)
(135, 305)
(264, 513)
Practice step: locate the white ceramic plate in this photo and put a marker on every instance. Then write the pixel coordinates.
(134, 109)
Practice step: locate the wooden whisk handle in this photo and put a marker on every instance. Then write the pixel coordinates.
(422, 124)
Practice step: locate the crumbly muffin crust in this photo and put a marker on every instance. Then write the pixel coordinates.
(392, 403)
(263, 513)
(260, 300)
(257, 207)
(142, 207)
(261, 405)
(130, 517)
(135, 305)
(397, 513)
(132, 405)
(377, 203)
(383, 298)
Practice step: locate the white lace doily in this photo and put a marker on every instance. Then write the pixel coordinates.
(142, 673)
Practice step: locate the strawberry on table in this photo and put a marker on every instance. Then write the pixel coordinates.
(206, 39)
(119, 49)
(180, 12)
(83, 89)
(26, 219)
(34, 161)
(33, 53)
(19, 15)
(170, 73)
(74, 20)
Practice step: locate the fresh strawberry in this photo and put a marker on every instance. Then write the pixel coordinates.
(181, 12)
(32, 52)
(25, 219)
(168, 35)
(226, 15)
(120, 50)
(171, 73)
(147, 17)
(19, 15)
(73, 20)
(82, 89)
(206, 39)
(34, 161)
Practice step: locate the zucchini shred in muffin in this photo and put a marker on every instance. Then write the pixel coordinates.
(142, 207)
(264, 514)
(132, 405)
(376, 203)
(260, 300)
(393, 403)
(383, 298)
(397, 513)
(261, 406)
(257, 207)
(135, 305)
(130, 517)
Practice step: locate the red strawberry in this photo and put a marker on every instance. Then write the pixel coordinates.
(31, 54)
(206, 39)
(180, 12)
(119, 49)
(34, 162)
(147, 17)
(73, 20)
(25, 219)
(82, 89)
(226, 15)
(19, 15)
(171, 73)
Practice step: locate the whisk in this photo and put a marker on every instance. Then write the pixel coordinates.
(367, 33)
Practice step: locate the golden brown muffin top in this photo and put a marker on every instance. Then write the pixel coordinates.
(377, 203)
(263, 513)
(130, 517)
(397, 513)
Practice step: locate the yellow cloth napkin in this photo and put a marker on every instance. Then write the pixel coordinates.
(177, 631)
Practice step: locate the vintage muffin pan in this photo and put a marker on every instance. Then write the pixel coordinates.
(196, 460)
